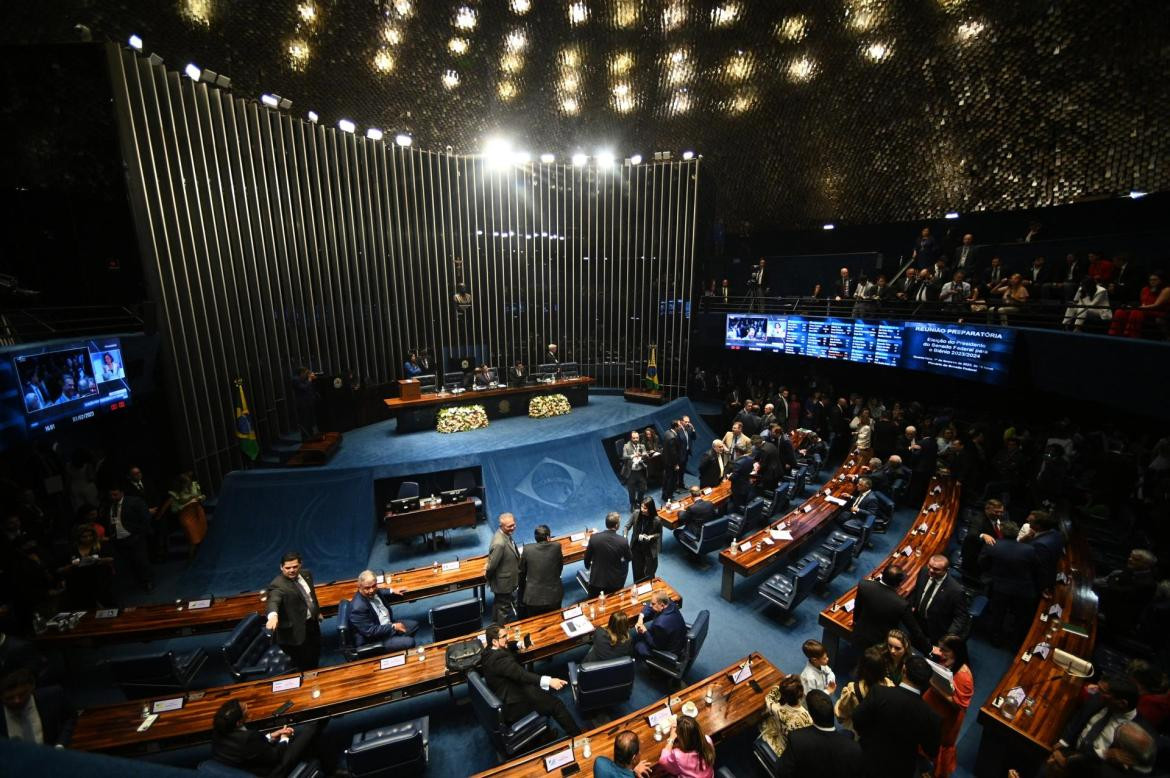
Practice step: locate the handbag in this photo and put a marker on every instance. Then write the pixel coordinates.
(464, 655)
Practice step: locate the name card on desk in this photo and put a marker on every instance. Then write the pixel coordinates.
(907, 551)
(162, 706)
(658, 716)
(923, 527)
(572, 613)
(849, 606)
(1062, 578)
(285, 684)
(147, 722)
(450, 566)
(742, 674)
(392, 661)
(806, 508)
(835, 500)
(577, 536)
(195, 605)
(745, 546)
(769, 541)
(559, 759)
(1056, 610)
(379, 578)
(1041, 650)
(708, 490)
(106, 613)
(644, 588)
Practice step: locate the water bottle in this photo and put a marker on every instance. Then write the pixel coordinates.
(435, 566)
(602, 599)
(587, 750)
(38, 623)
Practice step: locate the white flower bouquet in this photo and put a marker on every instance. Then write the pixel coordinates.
(548, 405)
(462, 418)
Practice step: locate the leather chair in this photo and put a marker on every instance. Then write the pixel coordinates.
(347, 636)
(712, 535)
(882, 515)
(509, 740)
(408, 489)
(788, 589)
(601, 684)
(210, 767)
(740, 524)
(766, 757)
(250, 653)
(398, 749)
(162, 672)
(465, 479)
(833, 557)
(677, 665)
(455, 619)
(861, 526)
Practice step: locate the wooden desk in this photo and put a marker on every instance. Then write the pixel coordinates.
(719, 496)
(429, 519)
(837, 622)
(416, 415)
(329, 691)
(147, 622)
(735, 707)
(1026, 740)
(804, 525)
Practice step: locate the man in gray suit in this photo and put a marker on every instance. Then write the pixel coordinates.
(634, 458)
(294, 613)
(503, 569)
(541, 564)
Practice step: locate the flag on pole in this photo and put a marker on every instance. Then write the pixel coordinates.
(652, 370)
(245, 432)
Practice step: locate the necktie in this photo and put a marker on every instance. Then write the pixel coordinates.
(928, 595)
(1093, 731)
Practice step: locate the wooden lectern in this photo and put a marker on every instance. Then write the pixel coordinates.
(409, 389)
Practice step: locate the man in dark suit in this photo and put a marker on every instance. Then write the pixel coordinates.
(894, 723)
(551, 357)
(967, 256)
(688, 437)
(41, 716)
(698, 512)
(541, 565)
(743, 470)
(985, 523)
(928, 287)
(607, 557)
(147, 491)
(503, 569)
(520, 691)
(667, 630)
(1014, 578)
(769, 457)
(821, 750)
(635, 461)
(865, 501)
(749, 420)
(890, 478)
(785, 451)
(274, 754)
(879, 608)
(1128, 279)
(845, 287)
(1092, 728)
(673, 449)
(128, 524)
(884, 440)
(713, 465)
(838, 424)
(518, 374)
(920, 452)
(294, 614)
(1043, 532)
(372, 619)
(939, 601)
(1036, 276)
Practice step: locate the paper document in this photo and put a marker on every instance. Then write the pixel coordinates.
(572, 613)
(849, 606)
(577, 627)
(943, 677)
(742, 674)
(835, 500)
(780, 534)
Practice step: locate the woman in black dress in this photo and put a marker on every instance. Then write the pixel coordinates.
(644, 532)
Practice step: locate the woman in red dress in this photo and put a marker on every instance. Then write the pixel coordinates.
(1153, 304)
(951, 704)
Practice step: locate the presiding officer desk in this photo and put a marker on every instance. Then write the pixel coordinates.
(337, 689)
(759, 550)
(734, 706)
(418, 414)
(929, 535)
(147, 622)
(1023, 738)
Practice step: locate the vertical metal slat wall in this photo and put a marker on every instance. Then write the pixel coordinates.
(272, 243)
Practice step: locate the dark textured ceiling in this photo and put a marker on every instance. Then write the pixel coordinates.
(851, 110)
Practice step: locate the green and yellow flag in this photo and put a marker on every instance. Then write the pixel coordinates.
(245, 432)
(652, 370)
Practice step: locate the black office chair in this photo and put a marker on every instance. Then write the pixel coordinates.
(677, 665)
(601, 684)
(456, 619)
(407, 489)
(250, 653)
(788, 589)
(465, 479)
(399, 749)
(766, 757)
(712, 535)
(508, 740)
(347, 637)
(834, 557)
(162, 672)
(740, 524)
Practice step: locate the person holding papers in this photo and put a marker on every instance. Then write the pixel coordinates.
(950, 698)
(521, 691)
(666, 632)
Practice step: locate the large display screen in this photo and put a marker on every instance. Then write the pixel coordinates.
(959, 350)
(64, 384)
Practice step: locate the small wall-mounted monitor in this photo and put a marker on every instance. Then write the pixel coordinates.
(570, 369)
(67, 383)
(404, 505)
(453, 495)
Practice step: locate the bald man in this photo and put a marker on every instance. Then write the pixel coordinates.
(939, 601)
(503, 569)
(372, 620)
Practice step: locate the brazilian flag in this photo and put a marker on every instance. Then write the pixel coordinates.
(245, 432)
(652, 370)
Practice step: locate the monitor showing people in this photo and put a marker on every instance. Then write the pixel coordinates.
(70, 382)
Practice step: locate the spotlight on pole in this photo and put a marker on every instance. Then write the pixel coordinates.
(224, 82)
(1137, 194)
(313, 117)
(136, 43)
(345, 125)
(193, 71)
(605, 159)
(272, 101)
(548, 159)
(374, 133)
(208, 76)
(403, 139)
(636, 159)
(497, 152)
(154, 60)
(688, 155)
(579, 159)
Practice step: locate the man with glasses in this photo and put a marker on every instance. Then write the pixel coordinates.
(372, 619)
(939, 601)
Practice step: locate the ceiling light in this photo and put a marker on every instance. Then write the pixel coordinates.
(968, 30)
(673, 16)
(516, 40)
(620, 64)
(405, 8)
(548, 159)
(951, 215)
(307, 12)
(465, 18)
(392, 34)
(829, 227)
(136, 43)
(313, 117)
(272, 101)
(511, 63)
(725, 15)
(579, 159)
(497, 152)
(383, 61)
(625, 14)
(193, 71)
(450, 79)
(570, 106)
(521, 6)
(345, 125)
(506, 90)
(578, 13)
(457, 45)
(623, 103)
(792, 28)
(298, 53)
(403, 139)
(604, 159)
(570, 83)
(636, 159)
(680, 103)
(877, 52)
(570, 57)
(1137, 194)
(739, 66)
(688, 155)
(374, 133)
(802, 69)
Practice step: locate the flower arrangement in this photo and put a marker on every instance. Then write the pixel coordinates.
(462, 418)
(548, 405)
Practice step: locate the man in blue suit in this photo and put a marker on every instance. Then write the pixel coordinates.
(1043, 532)
(373, 621)
(1014, 571)
(666, 632)
(864, 503)
(742, 470)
